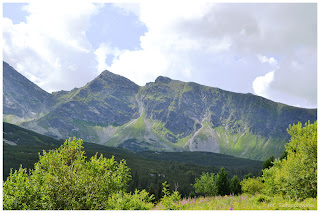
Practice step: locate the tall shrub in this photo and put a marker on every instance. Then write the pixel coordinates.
(296, 175)
(205, 185)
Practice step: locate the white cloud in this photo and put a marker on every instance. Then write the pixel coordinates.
(269, 49)
(164, 50)
(103, 52)
(51, 48)
(197, 42)
(141, 66)
(265, 59)
(262, 83)
(101, 56)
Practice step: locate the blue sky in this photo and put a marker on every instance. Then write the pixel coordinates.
(265, 49)
(14, 12)
(104, 27)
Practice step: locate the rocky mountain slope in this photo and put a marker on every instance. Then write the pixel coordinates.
(22, 99)
(165, 115)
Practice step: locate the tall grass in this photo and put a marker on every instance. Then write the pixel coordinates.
(242, 202)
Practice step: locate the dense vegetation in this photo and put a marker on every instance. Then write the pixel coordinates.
(63, 179)
(148, 169)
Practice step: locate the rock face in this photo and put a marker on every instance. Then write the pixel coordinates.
(108, 100)
(21, 97)
(165, 115)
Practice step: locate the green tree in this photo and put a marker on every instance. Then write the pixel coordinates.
(296, 175)
(284, 155)
(63, 179)
(252, 185)
(249, 175)
(268, 163)
(222, 182)
(205, 185)
(235, 186)
(191, 176)
(159, 194)
(169, 201)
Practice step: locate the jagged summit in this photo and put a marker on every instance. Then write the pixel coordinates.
(107, 73)
(108, 80)
(163, 79)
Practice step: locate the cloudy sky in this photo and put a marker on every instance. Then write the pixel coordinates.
(265, 49)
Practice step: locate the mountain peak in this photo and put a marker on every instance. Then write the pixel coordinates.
(163, 79)
(109, 79)
(115, 78)
(107, 73)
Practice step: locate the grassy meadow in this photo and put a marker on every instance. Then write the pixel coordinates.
(240, 202)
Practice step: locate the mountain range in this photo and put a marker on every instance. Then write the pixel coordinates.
(165, 115)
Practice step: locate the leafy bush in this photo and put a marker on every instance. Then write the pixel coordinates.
(262, 198)
(63, 179)
(192, 194)
(205, 185)
(296, 174)
(252, 185)
(139, 200)
(169, 201)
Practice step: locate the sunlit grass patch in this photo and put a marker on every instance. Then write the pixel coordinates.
(243, 202)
